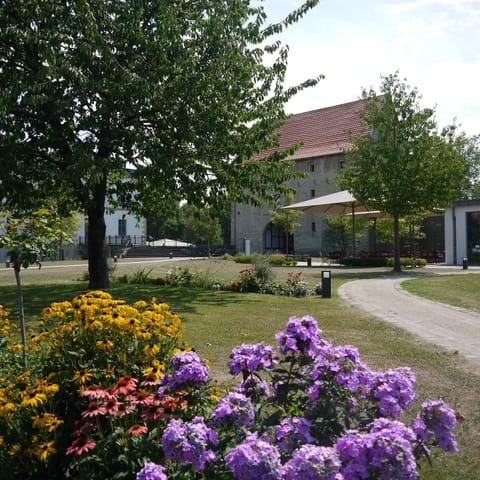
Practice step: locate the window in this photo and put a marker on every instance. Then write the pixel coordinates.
(314, 227)
(312, 167)
(274, 237)
(312, 193)
(122, 227)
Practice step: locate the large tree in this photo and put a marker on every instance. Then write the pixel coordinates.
(182, 91)
(407, 165)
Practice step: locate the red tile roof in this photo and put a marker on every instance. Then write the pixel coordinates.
(323, 132)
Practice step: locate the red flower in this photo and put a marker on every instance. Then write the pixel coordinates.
(80, 445)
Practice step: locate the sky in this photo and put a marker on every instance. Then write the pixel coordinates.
(433, 44)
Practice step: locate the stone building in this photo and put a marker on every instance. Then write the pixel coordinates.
(324, 133)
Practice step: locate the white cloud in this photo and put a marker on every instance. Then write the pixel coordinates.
(433, 43)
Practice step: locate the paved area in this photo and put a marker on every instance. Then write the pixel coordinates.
(455, 329)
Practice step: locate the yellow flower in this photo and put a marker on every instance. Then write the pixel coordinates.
(53, 424)
(83, 376)
(32, 398)
(42, 450)
(41, 336)
(42, 420)
(109, 372)
(48, 388)
(15, 347)
(151, 349)
(140, 304)
(14, 449)
(104, 344)
(7, 407)
(93, 324)
(143, 334)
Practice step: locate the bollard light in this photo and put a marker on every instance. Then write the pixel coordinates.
(326, 283)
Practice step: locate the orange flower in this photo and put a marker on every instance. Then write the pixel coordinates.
(137, 429)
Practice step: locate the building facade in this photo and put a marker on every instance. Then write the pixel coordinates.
(462, 232)
(324, 134)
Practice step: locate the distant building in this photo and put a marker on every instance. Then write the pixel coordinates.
(462, 232)
(324, 134)
(122, 229)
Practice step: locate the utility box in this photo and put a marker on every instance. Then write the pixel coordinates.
(326, 283)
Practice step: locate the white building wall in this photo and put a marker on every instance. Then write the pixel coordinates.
(456, 241)
(134, 227)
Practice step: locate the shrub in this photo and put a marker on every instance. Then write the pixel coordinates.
(408, 262)
(405, 262)
(264, 268)
(249, 280)
(281, 260)
(241, 258)
(365, 262)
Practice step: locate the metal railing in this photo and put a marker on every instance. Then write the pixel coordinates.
(119, 240)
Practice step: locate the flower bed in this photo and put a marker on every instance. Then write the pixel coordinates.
(114, 392)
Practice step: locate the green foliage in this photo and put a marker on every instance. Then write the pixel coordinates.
(286, 219)
(264, 268)
(184, 92)
(405, 262)
(201, 225)
(27, 239)
(275, 259)
(403, 164)
(408, 262)
(339, 231)
(281, 260)
(141, 276)
(32, 236)
(242, 258)
(365, 262)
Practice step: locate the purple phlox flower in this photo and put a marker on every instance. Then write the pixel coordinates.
(189, 442)
(394, 389)
(311, 462)
(292, 432)
(254, 459)
(340, 364)
(385, 452)
(437, 419)
(254, 387)
(186, 367)
(235, 409)
(152, 471)
(251, 358)
(301, 336)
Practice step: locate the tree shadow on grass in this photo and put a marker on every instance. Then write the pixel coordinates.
(37, 297)
(181, 299)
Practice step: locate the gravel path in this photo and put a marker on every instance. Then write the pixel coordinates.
(455, 329)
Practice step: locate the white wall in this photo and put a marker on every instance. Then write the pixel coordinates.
(456, 247)
(135, 227)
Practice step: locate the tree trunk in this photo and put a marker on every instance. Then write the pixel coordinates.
(97, 249)
(396, 244)
(21, 311)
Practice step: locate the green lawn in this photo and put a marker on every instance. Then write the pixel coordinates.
(459, 290)
(216, 321)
